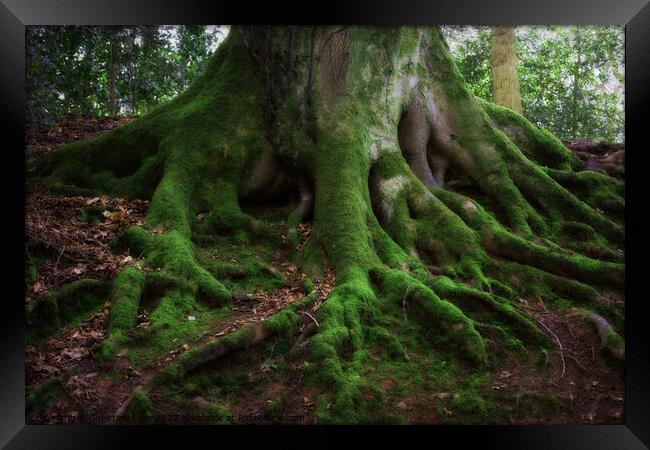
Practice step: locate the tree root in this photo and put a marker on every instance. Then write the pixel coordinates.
(371, 150)
(398, 286)
(246, 337)
(514, 248)
(445, 287)
(609, 338)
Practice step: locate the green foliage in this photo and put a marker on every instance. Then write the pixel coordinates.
(69, 68)
(571, 78)
(472, 57)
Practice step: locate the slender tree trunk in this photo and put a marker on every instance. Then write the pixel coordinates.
(505, 79)
(111, 69)
(575, 93)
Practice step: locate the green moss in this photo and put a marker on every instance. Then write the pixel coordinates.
(242, 268)
(140, 408)
(472, 407)
(538, 144)
(614, 340)
(67, 307)
(307, 285)
(218, 415)
(276, 407)
(579, 231)
(125, 299)
(388, 344)
(111, 346)
(42, 395)
(396, 285)
(544, 357)
(593, 188)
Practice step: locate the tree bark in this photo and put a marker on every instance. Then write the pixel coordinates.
(505, 79)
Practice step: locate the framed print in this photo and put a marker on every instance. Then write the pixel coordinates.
(252, 217)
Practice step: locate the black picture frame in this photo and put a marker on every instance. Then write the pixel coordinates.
(634, 14)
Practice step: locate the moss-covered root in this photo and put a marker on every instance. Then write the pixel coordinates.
(535, 183)
(174, 252)
(537, 144)
(504, 244)
(71, 303)
(127, 289)
(123, 312)
(500, 242)
(286, 321)
(609, 338)
(596, 189)
(399, 287)
(445, 287)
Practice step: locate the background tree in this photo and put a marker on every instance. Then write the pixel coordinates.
(424, 200)
(574, 100)
(505, 78)
(110, 70)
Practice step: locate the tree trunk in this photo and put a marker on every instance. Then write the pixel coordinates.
(111, 70)
(575, 92)
(419, 194)
(505, 80)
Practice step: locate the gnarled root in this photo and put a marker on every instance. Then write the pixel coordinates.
(286, 321)
(609, 338)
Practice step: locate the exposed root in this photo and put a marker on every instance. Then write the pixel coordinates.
(447, 288)
(370, 142)
(246, 337)
(516, 249)
(609, 338)
(396, 286)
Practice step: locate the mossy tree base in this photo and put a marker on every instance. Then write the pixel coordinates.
(422, 198)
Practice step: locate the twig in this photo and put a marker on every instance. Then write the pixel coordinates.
(312, 318)
(559, 345)
(56, 265)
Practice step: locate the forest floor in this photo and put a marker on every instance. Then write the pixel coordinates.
(69, 238)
